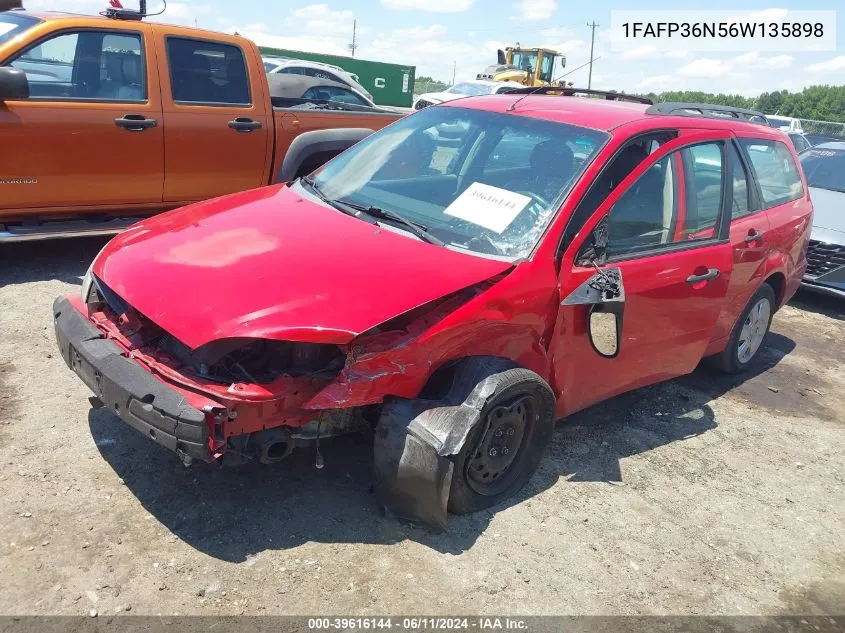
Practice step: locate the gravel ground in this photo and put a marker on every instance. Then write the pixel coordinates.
(704, 495)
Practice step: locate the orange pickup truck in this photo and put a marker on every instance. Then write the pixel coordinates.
(104, 121)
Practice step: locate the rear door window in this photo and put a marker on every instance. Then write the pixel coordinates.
(704, 195)
(741, 203)
(776, 172)
(207, 73)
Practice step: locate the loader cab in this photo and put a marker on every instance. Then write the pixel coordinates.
(537, 63)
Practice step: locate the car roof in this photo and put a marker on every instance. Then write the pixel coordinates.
(837, 145)
(292, 61)
(294, 86)
(605, 115)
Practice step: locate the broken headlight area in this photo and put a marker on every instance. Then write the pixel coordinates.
(257, 361)
(225, 361)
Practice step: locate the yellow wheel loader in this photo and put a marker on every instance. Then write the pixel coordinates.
(529, 66)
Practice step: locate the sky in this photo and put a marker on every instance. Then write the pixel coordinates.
(439, 35)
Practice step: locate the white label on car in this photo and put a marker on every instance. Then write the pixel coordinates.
(5, 28)
(487, 206)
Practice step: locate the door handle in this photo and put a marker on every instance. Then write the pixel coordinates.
(243, 124)
(753, 236)
(135, 122)
(710, 275)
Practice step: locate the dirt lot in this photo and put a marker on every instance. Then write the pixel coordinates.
(702, 495)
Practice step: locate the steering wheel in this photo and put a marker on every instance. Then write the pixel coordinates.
(537, 199)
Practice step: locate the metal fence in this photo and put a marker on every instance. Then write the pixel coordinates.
(820, 131)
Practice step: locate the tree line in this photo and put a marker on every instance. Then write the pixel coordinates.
(820, 103)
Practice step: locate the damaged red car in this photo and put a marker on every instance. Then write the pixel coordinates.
(456, 282)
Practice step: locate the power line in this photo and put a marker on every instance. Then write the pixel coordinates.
(592, 45)
(559, 77)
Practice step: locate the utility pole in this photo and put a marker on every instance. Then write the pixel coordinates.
(593, 26)
(354, 44)
(454, 70)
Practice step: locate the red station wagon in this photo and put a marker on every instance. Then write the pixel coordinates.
(457, 282)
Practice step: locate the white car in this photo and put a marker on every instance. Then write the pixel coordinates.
(472, 88)
(319, 70)
(786, 123)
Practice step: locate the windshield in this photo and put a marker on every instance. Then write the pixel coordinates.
(12, 24)
(481, 181)
(824, 168)
(472, 90)
(778, 122)
(525, 61)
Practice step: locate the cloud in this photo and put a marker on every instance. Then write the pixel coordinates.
(831, 65)
(649, 51)
(658, 83)
(319, 18)
(557, 33)
(766, 15)
(705, 68)
(754, 61)
(450, 6)
(534, 10)
(309, 43)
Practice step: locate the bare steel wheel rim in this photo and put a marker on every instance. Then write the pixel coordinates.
(506, 428)
(754, 330)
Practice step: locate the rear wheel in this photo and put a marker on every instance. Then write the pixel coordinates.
(748, 332)
(507, 445)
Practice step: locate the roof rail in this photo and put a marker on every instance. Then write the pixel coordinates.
(609, 95)
(710, 110)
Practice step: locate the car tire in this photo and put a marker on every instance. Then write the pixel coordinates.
(749, 332)
(507, 445)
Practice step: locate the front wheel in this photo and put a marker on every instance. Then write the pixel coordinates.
(748, 332)
(507, 445)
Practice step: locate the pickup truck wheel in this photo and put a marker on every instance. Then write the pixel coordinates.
(507, 445)
(748, 332)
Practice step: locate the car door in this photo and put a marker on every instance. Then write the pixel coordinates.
(667, 270)
(219, 131)
(91, 133)
(750, 242)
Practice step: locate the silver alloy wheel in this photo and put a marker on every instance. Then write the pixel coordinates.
(753, 330)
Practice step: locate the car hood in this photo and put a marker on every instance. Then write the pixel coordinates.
(271, 263)
(828, 212)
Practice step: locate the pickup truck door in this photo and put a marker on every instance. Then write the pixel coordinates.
(664, 282)
(90, 134)
(217, 114)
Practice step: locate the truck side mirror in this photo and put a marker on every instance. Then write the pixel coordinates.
(14, 85)
(501, 57)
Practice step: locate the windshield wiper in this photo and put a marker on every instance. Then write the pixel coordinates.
(420, 230)
(312, 186)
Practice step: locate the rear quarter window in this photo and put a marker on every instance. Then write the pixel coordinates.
(776, 172)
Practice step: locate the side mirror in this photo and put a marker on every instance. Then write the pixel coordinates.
(14, 85)
(605, 328)
(594, 250)
(501, 57)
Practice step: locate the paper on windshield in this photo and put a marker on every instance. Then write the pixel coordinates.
(487, 206)
(5, 27)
